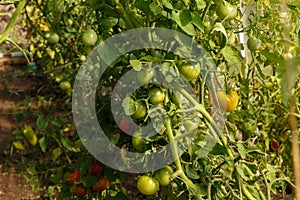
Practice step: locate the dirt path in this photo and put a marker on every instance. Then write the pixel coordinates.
(14, 86)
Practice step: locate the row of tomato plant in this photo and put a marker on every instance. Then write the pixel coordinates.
(252, 158)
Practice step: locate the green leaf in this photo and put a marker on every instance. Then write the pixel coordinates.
(273, 57)
(232, 55)
(201, 4)
(234, 58)
(67, 144)
(191, 172)
(185, 17)
(108, 23)
(253, 191)
(218, 150)
(18, 145)
(241, 149)
(196, 20)
(136, 64)
(219, 28)
(56, 153)
(167, 4)
(41, 122)
(188, 28)
(155, 8)
(42, 143)
(241, 172)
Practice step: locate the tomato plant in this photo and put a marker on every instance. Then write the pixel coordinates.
(64, 32)
(147, 185)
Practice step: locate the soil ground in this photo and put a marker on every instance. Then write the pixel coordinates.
(14, 86)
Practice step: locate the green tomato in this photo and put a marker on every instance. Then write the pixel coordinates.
(164, 175)
(52, 38)
(147, 185)
(140, 144)
(253, 43)
(89, 37)
(65, 85)
(145, 75)
(156, 95)
(140, 110)
(226, 10)
(190, 72)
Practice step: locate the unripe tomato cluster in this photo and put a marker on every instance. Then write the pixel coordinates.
(79, 189)
(148, 185)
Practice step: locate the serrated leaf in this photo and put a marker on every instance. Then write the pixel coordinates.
(155, 8)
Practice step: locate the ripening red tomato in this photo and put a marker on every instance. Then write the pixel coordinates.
(97, 168)
(79, 190)
(101, 185)
(74, 177)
